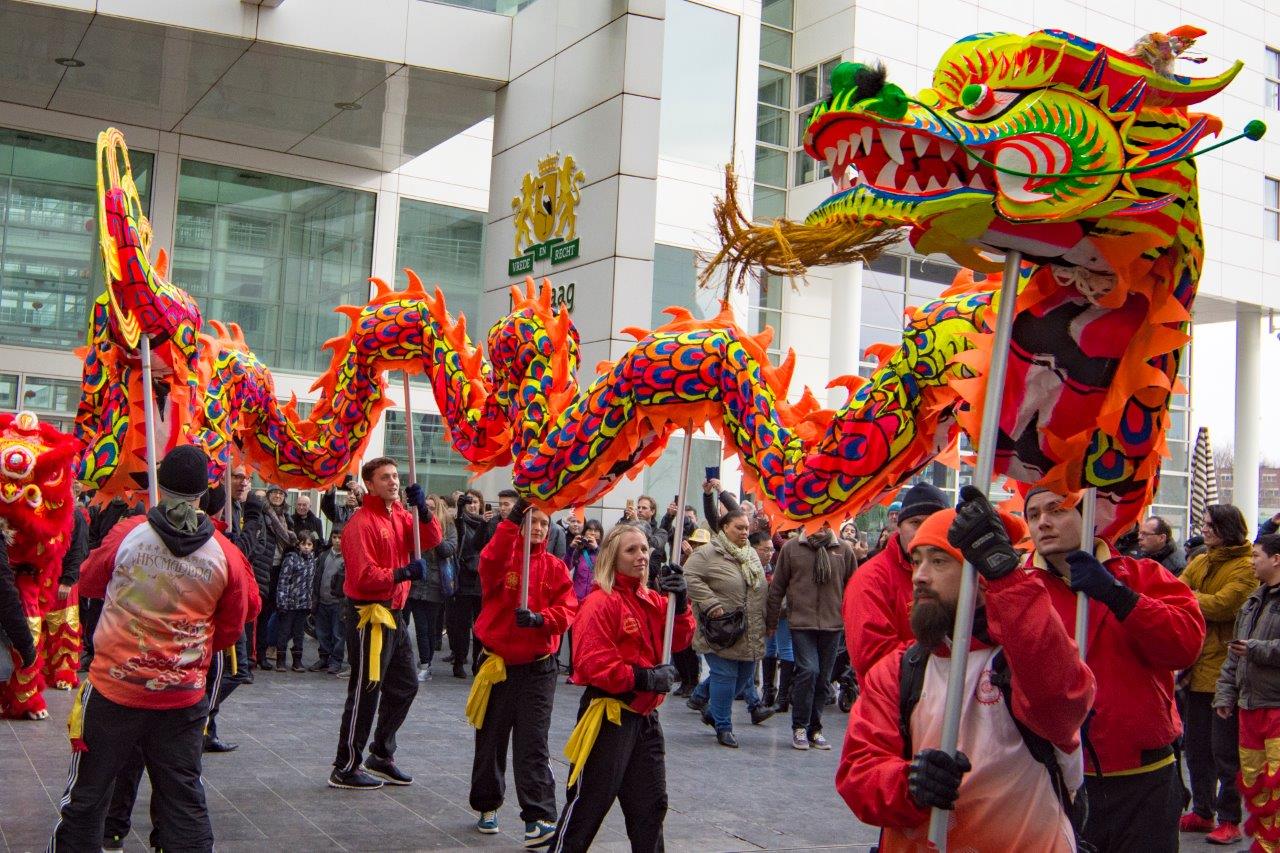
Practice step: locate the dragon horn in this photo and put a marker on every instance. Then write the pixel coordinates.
(381, 288)
(415, 287)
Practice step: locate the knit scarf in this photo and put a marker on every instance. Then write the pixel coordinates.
(820, 542)
(747, 558)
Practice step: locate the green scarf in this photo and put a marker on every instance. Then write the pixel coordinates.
(181, 514)
(747, 558)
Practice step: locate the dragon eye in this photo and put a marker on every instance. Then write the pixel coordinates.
(982, 103)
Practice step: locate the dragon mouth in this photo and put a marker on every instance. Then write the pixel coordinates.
(899, 161)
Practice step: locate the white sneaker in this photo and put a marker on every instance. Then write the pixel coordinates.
(799, 739)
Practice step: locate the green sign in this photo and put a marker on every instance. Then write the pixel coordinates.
(557, 249)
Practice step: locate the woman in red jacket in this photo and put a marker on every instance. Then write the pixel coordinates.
(617, 750)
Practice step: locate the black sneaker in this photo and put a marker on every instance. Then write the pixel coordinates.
(385, 769)
(318, 665)
(760, 713)
(356, 780)
(112, 843)
(727, 739)
(695, 703)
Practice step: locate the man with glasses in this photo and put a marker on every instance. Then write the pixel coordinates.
(1155, 542)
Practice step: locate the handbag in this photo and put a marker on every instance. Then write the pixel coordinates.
(723, 631)
(448, 577)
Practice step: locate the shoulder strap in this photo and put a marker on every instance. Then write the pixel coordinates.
(1040, 748)
(910, 684)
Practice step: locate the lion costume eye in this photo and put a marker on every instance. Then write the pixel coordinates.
(982, 103)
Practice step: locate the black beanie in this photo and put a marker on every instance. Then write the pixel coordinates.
(184, 472)
(922, 499)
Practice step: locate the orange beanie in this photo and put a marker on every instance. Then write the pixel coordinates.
(934, 531)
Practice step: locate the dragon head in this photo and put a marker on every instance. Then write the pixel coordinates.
(36, 499)
(1023, 142)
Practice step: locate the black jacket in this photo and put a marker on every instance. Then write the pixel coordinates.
(103, 519)
(311, 522)
(256, 543)
(78, 550)
(338, 513)
(13, 619)
(472, 536)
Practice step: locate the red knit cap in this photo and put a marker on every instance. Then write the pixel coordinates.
(934, 531)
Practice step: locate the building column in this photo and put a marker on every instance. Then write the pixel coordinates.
(1248, 437)
(846, 328)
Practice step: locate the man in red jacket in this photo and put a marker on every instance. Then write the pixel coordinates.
(877, 600)
(1022, 667)
(1144, 626)
(175, 592)
(377, 547)
(515, 684)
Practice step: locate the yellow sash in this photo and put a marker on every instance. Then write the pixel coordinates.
(375, 617)
(583, 739)
(235, 667)
(492, 671)
(75, 720)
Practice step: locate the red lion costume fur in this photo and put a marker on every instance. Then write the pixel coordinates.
(37, 514)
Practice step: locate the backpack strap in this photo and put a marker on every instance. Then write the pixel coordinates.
(910, 685)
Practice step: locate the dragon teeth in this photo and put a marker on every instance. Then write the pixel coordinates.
(830, 154)
(912, 186)
(888, 176)
(921, 143)
(867, 137)
(933, 185)
(976, 182)
(892, 142)
(842, 148)
(970, 160)
(855, 145)
(946, 149)
(953, 182)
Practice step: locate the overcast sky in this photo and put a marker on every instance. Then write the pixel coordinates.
(1213, 384)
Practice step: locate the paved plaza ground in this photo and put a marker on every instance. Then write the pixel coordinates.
(270, 794)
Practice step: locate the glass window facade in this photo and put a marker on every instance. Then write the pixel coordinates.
(765, 301)
(54, 400)
(700, 84)
(773, 113)
(812, 85)
(662, 478)
(275, 255)
(50, 269)
(445, 247)
(440, 470)
(1272, 71)
(675, 282)
(1271, 208)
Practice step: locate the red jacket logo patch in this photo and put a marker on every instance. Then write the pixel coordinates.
(631, 625)
(513, 580)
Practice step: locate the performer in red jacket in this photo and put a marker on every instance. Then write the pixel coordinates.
(175, 591)
(377, 546)
(515, 684)
(617, 751)
(1144, 626)
(1003, 797)
(877, 601)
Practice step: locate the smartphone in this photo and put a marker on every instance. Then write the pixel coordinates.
(631, 503)
(713, 472)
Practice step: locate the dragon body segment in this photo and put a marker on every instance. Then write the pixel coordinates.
(1049, 144)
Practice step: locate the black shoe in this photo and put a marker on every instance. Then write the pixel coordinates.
(760, 713)
(298, 667)
(356, 780)
(112, 843)
(685, 691)
(318, 665)
(213, 744)
(727, 739)
(265, 665)
(695, 703)
(385, 769)
(459, 671)
(707, 719)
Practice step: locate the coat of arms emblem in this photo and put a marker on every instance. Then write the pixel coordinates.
(546, 218)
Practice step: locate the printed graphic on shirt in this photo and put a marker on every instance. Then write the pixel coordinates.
(986, 692)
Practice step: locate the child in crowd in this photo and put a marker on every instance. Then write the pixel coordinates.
(331, 571)
(295, 596)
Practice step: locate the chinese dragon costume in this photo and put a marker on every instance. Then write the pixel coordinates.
(37, 510)
(1074, 153)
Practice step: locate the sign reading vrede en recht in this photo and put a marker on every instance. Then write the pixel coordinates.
(546, 221)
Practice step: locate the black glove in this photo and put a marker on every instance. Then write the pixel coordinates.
(1092, 578)
(980, 535)
(516, 516)
(933, 778)
(414, 496)
(526, 618)
(671, 580)
(655, 679)
(28, 654)
(415, 571)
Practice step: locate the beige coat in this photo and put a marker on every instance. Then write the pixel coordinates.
(714, 577)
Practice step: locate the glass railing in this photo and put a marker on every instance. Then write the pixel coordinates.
(500, 7)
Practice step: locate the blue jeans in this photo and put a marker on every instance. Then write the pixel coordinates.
(815, 653)
(728, 679)
(333, 639)
(779, 645)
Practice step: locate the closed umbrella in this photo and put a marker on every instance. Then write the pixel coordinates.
(1204, 480)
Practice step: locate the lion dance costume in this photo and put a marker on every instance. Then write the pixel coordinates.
(38, 509)
(1074, 153)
